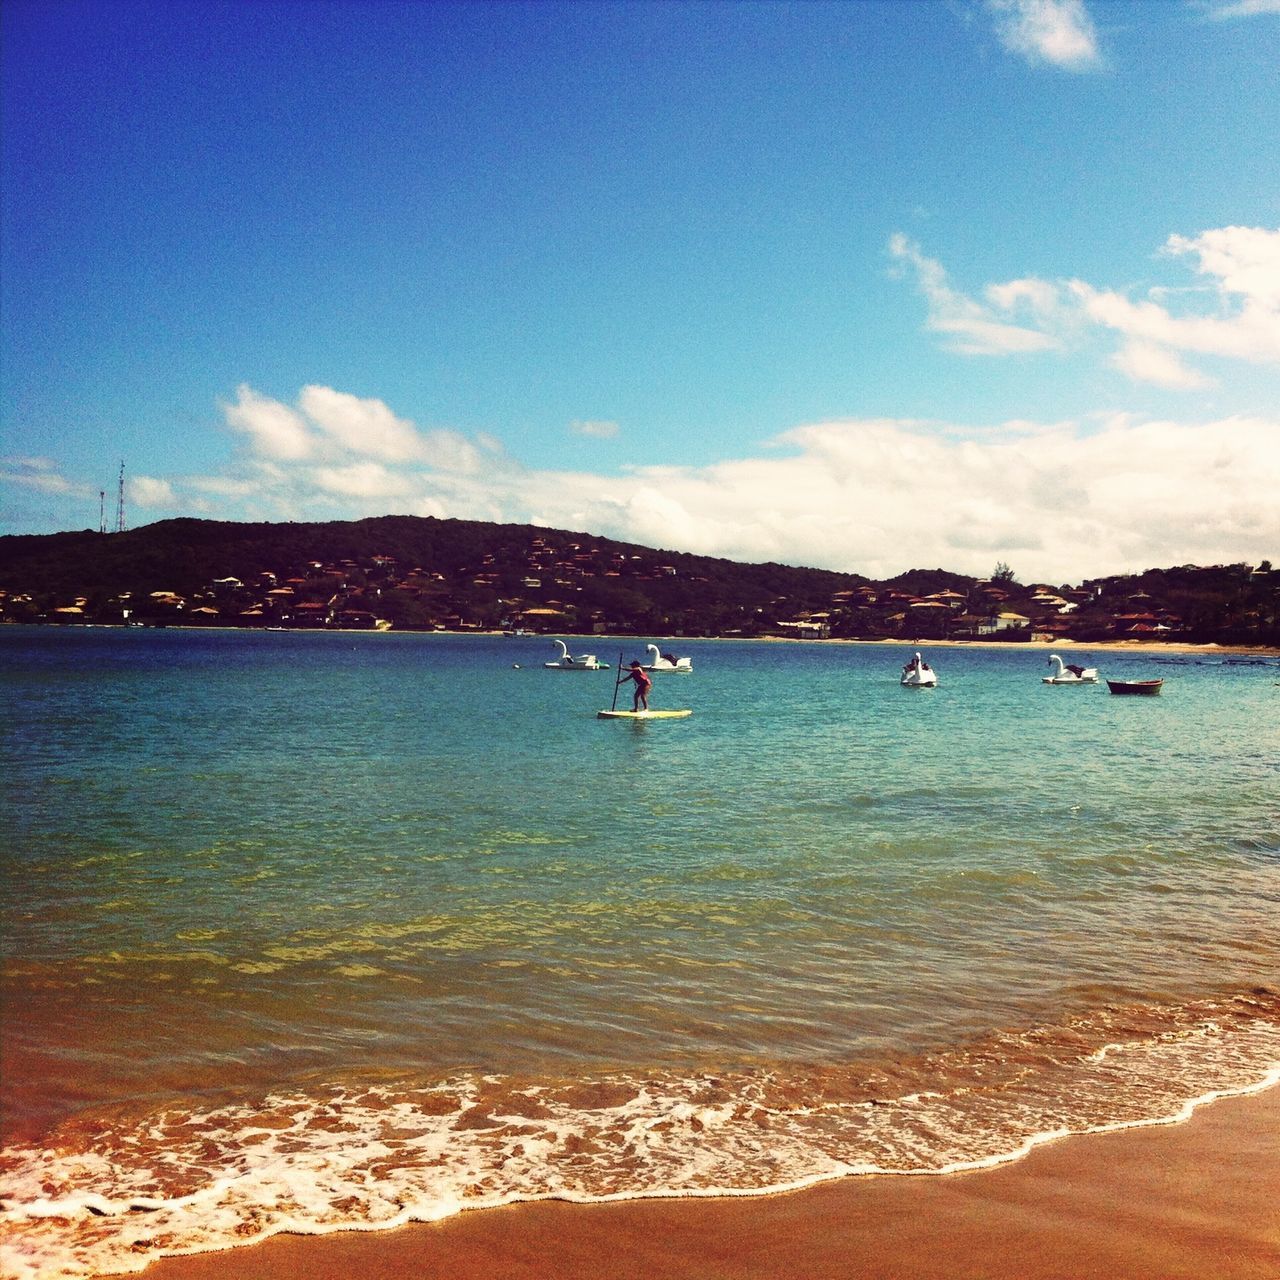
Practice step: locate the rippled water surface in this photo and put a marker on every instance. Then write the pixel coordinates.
(341, 887)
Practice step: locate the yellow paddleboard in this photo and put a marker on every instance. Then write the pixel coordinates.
(642, 715)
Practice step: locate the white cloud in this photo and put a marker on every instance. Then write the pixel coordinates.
(147, 491)
(1057, 32)
(878, 496)
(1147, 362)
(1245, 260)
(337, 428)
(1241, 9)
(594, 430)
(1057, 500)
(41, 474)
(364, 427)
(971, 328)
(362, 480)
(1241, 267)
(221, 486)
(452, 451)
(274, 430)
(1039, 300)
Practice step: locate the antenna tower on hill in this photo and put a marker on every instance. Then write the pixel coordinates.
(102, 511)
(120, 502)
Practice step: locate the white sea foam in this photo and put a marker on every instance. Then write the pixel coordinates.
(109, 1197)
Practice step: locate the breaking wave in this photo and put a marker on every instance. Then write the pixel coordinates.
(110, 1191)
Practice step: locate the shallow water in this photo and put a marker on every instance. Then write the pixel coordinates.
(311, 931)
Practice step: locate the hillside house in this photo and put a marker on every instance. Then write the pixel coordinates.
(999, 622)
(806, 629)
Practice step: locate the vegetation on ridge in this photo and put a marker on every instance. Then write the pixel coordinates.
(412, 572)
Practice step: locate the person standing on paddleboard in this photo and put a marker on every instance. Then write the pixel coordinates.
(643, 685)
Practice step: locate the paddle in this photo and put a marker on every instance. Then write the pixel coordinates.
(617, 684)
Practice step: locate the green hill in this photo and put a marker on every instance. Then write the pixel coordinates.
(461, 571)
(421, 572)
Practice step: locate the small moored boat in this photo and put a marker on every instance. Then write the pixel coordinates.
(1148, 687)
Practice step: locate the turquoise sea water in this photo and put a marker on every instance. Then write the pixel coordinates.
(315, 931)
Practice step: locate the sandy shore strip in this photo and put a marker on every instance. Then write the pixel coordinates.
(1037, 648)
(1192, 1201)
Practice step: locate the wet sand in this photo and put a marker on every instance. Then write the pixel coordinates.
(1193, 1201)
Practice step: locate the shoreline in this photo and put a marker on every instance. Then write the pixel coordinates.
(1208, 649)
(1173, 1201)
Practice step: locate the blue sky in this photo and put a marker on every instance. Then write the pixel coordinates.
(867, 286)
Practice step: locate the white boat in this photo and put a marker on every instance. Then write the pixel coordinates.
(918, 674)
(659, 661)
(567, 662)
(1069, 673)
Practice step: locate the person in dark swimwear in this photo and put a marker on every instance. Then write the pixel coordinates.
(643, 685)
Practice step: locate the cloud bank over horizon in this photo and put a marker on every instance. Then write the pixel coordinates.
(1060, 501)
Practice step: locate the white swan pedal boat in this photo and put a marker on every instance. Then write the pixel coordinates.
(568, 662)
(659, 661)
(1069, 673)
(918, 674)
